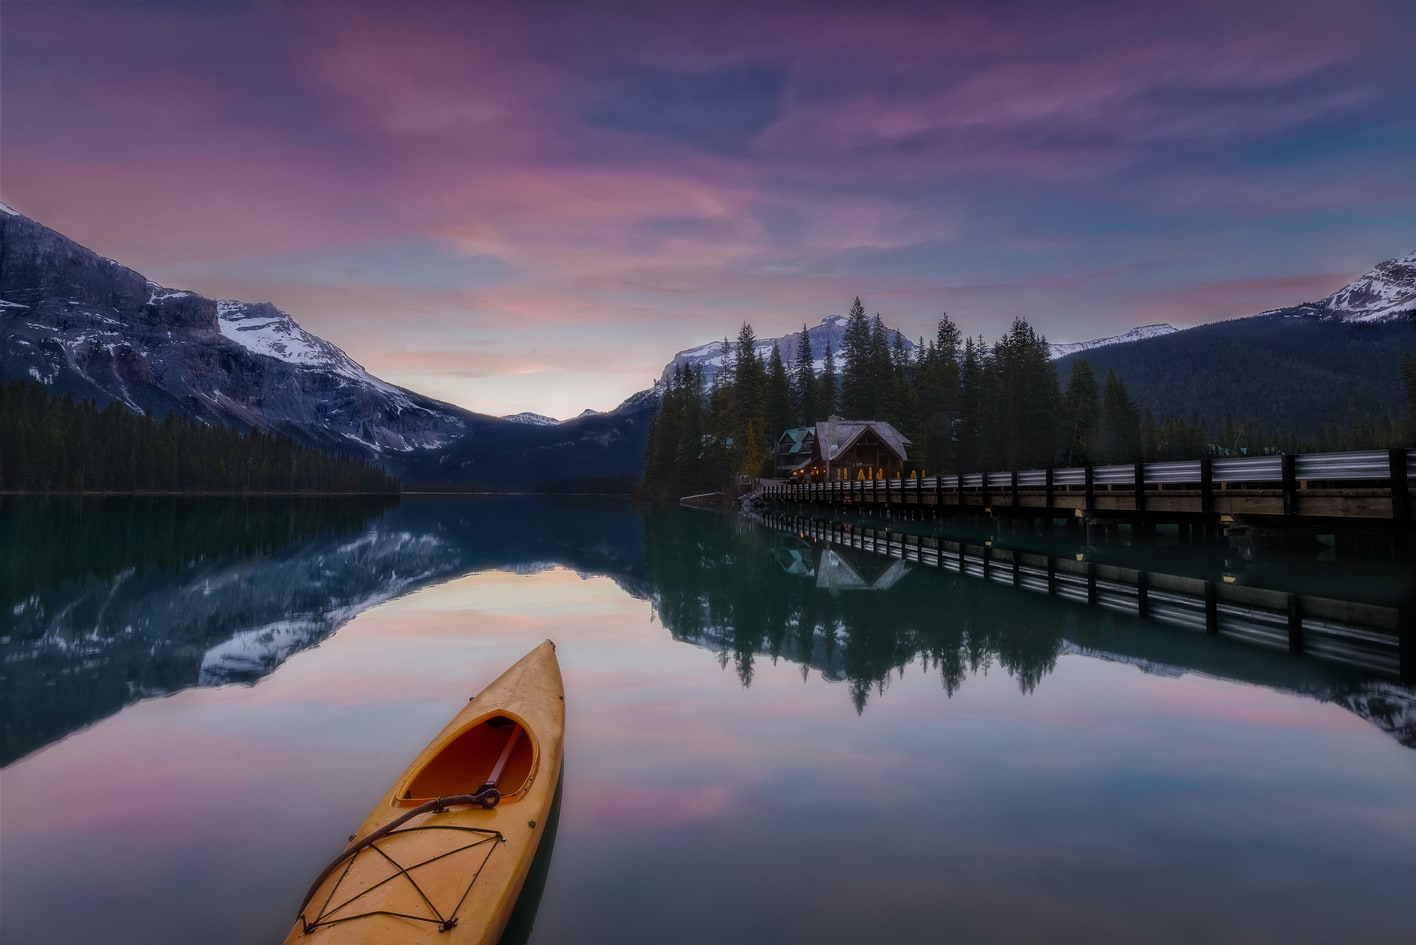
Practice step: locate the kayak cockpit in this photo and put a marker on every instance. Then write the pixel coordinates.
(497, 751)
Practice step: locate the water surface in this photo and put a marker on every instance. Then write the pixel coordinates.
(771, 738)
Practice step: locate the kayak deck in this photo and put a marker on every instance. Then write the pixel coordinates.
(443, 856)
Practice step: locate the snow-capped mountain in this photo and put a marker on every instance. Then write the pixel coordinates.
(1386, 292)
(710, 358)
(86, 326)
(532, 419)
(1135, 334)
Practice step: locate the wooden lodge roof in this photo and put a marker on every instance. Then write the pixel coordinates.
(835, 437)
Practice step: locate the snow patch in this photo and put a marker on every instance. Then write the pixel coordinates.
(1135, 334)
(532, 419)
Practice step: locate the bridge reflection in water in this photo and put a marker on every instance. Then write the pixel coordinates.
(1374, 634)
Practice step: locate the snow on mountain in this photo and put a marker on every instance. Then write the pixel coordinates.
(710, 358)
(532, 419)
(1385, 292)
(1135, 334)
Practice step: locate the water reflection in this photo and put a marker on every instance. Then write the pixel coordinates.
(108, 601)
(117, 599)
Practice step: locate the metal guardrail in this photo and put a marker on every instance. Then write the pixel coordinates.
(1248, 469)
(1114, 475)
(1374, 464)
(1172, 473)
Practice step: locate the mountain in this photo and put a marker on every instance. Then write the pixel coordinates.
(1334, 363)
(85, 326)
(532, 419)
(1385, 293)
(1135, 334)
(709, 358)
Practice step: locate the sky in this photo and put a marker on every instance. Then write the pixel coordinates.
(531, 206)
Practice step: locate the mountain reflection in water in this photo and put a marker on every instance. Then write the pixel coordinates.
(114, 600)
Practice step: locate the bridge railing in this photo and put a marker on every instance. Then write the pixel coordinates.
(1393, 467)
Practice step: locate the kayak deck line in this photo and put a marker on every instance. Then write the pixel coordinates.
(329, 915)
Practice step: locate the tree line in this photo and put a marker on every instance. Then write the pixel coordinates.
(964, 404)
(50, 444)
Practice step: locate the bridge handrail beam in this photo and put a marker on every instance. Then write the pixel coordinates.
(1249, 469)
(1370, 464)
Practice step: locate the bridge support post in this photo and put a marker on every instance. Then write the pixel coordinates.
(1295, 624)
(1290, 484)
(1406, 641)
(1207, 486)
(1211, 609)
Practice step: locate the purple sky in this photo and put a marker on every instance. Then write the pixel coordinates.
(532, 206)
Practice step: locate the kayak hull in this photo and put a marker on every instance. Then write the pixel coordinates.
(444, 854)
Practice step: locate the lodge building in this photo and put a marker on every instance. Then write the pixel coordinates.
(841, 449)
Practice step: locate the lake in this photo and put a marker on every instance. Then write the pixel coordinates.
(773, 735)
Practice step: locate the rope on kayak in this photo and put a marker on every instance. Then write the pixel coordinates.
(490, 838)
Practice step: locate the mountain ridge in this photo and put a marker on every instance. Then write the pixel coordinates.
(86, 326)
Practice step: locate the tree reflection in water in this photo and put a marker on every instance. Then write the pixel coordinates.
(726, 583)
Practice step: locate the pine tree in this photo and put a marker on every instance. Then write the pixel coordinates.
(1081, 415)
(855, 398)
(804, 383)
(778, 407)
(1120, 439)
(830, 389)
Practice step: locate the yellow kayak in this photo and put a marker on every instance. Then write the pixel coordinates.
(444, 855)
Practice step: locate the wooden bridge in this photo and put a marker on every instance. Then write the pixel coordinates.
(1375, 486)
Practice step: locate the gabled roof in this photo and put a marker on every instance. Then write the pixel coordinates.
(796, 440)
(835, 436)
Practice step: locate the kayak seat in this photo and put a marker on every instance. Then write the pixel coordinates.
(469, 759)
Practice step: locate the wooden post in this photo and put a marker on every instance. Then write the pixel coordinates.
(1295, 624)
(1143, 607)
(1400, 485)
(1211, 609)
(1048, 501)
(1091, 583)
(1406, 641)
(1090, 500)
(1015, 490)
(1207, 486)
(1290, 484)
(1139, 502)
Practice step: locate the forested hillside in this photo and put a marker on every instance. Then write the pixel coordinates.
(51, 444)
(1277, 378)
(1249, 386)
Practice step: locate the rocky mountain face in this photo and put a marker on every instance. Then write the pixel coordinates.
(1385, 293)
(85, 326)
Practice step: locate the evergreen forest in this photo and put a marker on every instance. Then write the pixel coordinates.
(50, 444)
(967, 406)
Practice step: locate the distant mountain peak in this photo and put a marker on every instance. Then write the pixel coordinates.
(1384, 292)
(532, 419)
(830, 330)
(1135, 334)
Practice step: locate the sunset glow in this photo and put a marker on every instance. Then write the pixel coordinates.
(533, 206)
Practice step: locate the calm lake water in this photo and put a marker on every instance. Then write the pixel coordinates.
(771, 738)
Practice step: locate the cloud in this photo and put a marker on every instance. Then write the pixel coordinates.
(723, 110)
